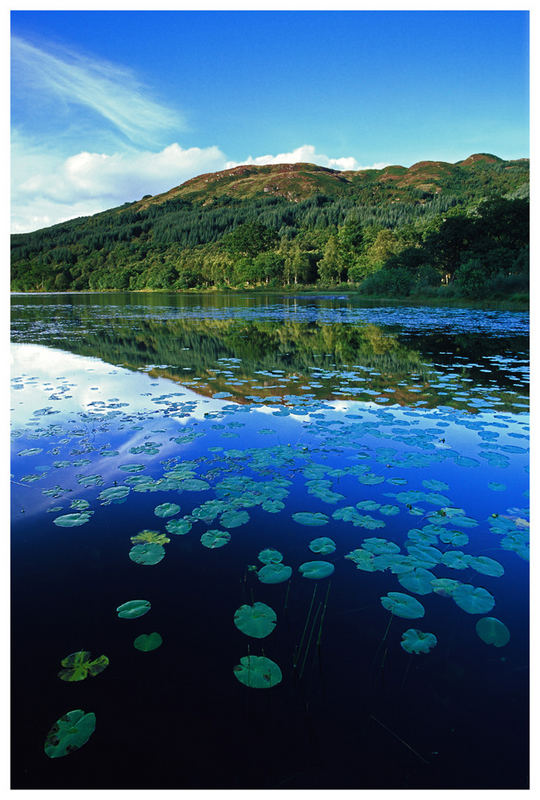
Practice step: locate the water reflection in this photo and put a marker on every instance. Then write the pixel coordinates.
(207, 442)
(257, 356)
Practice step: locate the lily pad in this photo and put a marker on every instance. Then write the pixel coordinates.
(166, 510)
(492, 631)
(363, 559)
(193, 485)
(310, 518)
(456, 559)
(147, 554)
(215, 538)
(178, 527)
(403, 605)
(78, 666)
(415, 641)
(258, 672)
(322, 545)
(133, 609)
(150, 536)
(147, 642)
(257, 620)
(234, 518)
(270, 556)
(378, 546)
(73, 520)
(274, 573)
(445, 586)
(486, 565)
(417, 581)
(316, 569)
(473, 599)
(69, 733)
(116, 494)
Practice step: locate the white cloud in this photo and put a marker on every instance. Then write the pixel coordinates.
(51, 190)
(107, 89)
(307, 153)
(48, 188)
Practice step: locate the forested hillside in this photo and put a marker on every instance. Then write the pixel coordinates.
(462, 228)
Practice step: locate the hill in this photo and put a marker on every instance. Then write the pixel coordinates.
(304, 223)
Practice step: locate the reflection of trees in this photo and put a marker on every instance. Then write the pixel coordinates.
(199, 343)
(180, 349)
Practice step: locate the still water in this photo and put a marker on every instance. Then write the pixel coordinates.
(205, 455)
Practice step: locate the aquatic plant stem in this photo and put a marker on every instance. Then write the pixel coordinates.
(387, 627)
(323, 613)
(287, 594)
(306, 651)
(299, 647)
(407, 668)
(403, 742)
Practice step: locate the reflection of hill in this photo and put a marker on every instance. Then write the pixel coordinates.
(196, 345)
(329, 361)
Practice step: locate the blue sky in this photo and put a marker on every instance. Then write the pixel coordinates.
(108, 106)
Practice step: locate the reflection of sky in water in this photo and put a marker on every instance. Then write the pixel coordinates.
(313, 458)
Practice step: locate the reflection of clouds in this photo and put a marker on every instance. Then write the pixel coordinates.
(46, 371)
(80, 373)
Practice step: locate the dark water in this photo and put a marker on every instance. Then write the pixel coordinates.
(278, 406)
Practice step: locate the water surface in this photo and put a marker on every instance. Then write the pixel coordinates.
(394, 428)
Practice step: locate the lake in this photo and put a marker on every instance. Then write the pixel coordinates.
(322, 507)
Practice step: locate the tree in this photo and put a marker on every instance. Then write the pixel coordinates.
(250, 239)
(331, 264)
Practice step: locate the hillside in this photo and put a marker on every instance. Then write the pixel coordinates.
(277, 224)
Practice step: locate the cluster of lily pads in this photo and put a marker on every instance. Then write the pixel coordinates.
(375, 447)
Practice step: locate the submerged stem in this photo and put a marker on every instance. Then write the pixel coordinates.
(309, 639)
(297, 653)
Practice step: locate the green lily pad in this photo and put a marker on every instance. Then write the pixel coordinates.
(78, 666)
(322, 545)
(274, 573)
(116, 494)
(73, 520)
(272, 506)
(234, 518)
(166, 510)
(487, 566)
(215, 538)
(473, 599)
(178, 527)
(147, 554)
(310, 518)
(415, 641)
(257, 620)
(417, 581)
(150, 536)
(193, 485)
(403, 605)
(456, 559)
(456, 538)
(445, 586)
(147, 642)
(258, 672)
(316, 569)
(270, 556)
(363, 559)
(133, 609)
(69, 733)
(492, 631)
(378, 546)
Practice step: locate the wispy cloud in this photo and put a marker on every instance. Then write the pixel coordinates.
(308, 153)
(107, 89)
